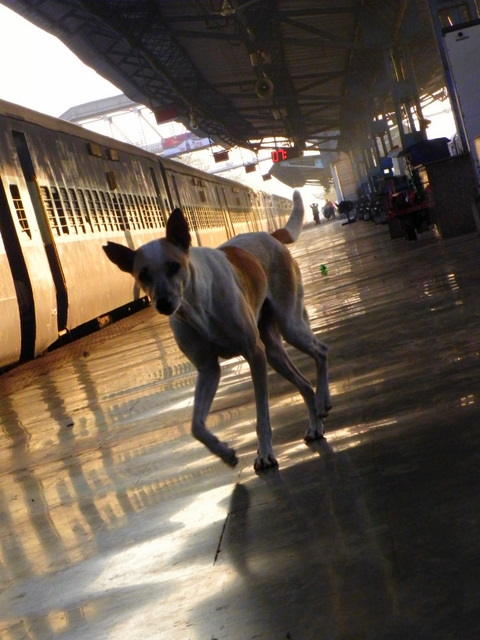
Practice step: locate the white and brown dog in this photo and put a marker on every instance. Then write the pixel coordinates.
(238, 299)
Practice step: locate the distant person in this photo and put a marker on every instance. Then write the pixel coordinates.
(316, 212)
(329, 209)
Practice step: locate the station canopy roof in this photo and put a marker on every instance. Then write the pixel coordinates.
(252, 73)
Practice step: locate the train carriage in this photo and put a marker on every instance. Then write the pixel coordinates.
(64, 192)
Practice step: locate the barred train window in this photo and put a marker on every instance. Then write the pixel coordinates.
(111, 210)
(50, 210)
(21, 215)
(107, 212)
(153, 211)
(116, 209)
(138, 209)
(84, 210)
(82, 217)
(96, 212)
(130, 210)
(120, 210)
(60, 210)
(147, 212)
(126, 213)
(69, 211)
(84, 207)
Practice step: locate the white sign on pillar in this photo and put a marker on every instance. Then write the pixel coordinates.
(462, 45)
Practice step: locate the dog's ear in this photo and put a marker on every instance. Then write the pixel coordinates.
(122, 256)
(177, 230)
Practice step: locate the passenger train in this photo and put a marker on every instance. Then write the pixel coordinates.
(65, 191)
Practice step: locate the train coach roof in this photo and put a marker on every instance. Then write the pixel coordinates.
(18, 112)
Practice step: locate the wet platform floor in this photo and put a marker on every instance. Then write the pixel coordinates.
(115, 524)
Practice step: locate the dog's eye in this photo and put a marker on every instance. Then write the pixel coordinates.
(144, 276)
(172, 267)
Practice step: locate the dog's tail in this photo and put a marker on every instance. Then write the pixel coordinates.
(291, 231)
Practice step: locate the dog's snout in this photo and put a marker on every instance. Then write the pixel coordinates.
(164, 306)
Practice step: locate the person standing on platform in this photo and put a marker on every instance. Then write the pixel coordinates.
(316, 213)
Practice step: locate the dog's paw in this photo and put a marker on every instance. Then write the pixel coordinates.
(315, 433)
(230, 458)
(265, 462)
(228, 455)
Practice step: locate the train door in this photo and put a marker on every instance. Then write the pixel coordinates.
(23, 287)
(28, 170)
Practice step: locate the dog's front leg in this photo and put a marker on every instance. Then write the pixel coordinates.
(208, 378)
(258, 367)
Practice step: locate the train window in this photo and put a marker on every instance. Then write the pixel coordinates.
(101, 221)
(120, 211)
(18, 204)
(60, 210)
(157, 212)
(140, 213)
(107, 212)
(141, 209)
(142, 201)
(160, 214)
(154, 211)
(148, 211)
(189, 214)
(82, 219)
(114, 210)
(127, 212)
(93, 211)
(156, 217)
(67, 206)
(86, 211)
(123, 209)
(52, 215)
(132, 211)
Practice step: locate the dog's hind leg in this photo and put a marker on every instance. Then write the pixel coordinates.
(295, 328)
(304, 340)
(258, 368)
(279, 360)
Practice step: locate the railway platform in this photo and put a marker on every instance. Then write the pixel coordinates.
(116, 524)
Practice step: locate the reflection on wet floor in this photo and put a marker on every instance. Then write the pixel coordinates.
(114, 523)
